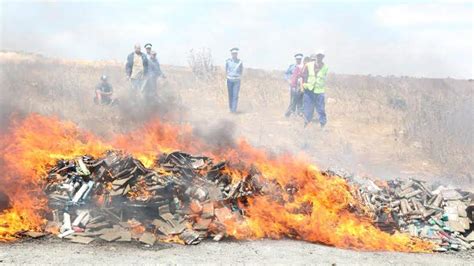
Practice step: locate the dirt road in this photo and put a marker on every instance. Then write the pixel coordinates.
(54, 251)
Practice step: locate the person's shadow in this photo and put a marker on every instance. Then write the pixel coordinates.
(239, 112)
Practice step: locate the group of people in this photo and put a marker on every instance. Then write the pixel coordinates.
(306, 79)
(142, 70)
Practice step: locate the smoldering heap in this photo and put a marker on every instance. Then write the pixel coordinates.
(442, 215)
(182, 199)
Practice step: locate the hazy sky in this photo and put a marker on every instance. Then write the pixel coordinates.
(414, 38)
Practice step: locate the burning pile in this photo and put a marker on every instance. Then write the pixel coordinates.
(183, 198)
(236, 191)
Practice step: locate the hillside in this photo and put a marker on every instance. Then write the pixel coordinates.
(383, 126)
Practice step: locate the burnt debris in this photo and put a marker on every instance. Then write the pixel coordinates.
(184, 198)
(116, 198)
(443, 215)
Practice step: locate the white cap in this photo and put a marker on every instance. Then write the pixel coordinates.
(321, 51)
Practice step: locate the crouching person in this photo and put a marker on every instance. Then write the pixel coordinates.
(103, 92)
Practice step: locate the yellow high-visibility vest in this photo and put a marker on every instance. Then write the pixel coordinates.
(316, 83)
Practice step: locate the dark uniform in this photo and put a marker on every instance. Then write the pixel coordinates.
(103, 93)
(154, 71)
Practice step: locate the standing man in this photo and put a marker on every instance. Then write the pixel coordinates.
(314, 76)
(136, 69)
(292, 74)
(233, 69)
(154, 72)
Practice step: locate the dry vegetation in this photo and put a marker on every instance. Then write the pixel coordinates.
(424, 123)
(201, 63)
(435, 115)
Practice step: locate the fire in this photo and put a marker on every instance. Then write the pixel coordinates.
(139, 192)
(172, 239)
(319, 210)
(26, 152)
(137, 227)
(314, 207)
(157, 137)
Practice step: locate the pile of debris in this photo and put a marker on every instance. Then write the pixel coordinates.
(183, 198)
(442, 215)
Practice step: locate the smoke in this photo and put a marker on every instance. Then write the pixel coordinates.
(220, 135)
(4, 201)
(140, 108)
(9, 107)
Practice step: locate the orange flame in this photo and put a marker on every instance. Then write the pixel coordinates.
(26, 153)
(172, 239)
(319, 209)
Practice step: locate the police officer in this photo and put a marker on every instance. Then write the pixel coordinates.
(148, 47)
(233, 69)
(292, 76)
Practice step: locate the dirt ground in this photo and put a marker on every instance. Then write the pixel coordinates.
(54, 251)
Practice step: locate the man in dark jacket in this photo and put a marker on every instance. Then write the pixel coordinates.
(137, 68)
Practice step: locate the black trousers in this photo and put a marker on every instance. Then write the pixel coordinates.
(296, 102)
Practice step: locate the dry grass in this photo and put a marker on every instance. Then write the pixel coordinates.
(432, 116)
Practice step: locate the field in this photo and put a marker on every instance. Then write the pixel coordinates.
(378, 126)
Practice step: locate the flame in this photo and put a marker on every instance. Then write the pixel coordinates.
(318, 209)
(139, 192)
(172, 239)
(156, 137)
(31, 146)
(136, 227)
(318, 212)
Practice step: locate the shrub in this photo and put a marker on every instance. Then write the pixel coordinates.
(201, 63)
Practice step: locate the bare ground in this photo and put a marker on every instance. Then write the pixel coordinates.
(57, 252)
